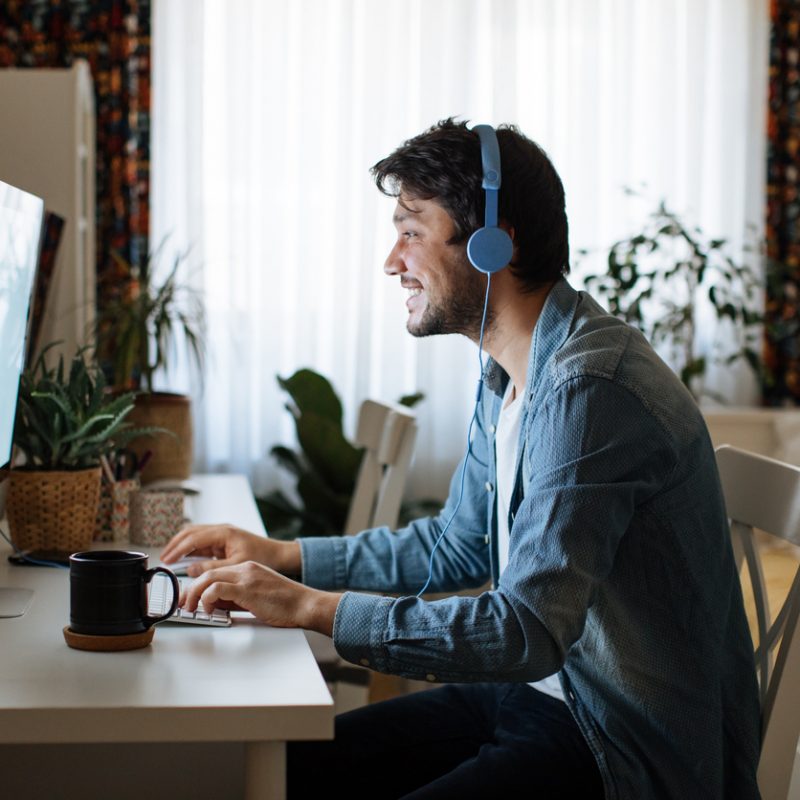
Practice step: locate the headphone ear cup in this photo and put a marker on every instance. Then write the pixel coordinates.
(490, 249)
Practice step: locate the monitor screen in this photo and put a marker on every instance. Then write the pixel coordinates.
(21, 217)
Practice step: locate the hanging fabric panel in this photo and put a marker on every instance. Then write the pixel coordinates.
(114, 37)
(782, 348)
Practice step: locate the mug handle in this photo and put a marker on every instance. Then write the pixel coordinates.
(176, 594)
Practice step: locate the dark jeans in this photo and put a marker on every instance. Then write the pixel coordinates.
(460, 741)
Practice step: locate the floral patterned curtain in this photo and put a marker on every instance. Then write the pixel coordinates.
(114, 37)
(782, 350)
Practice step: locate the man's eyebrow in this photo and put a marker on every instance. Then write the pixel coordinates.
(402, 216)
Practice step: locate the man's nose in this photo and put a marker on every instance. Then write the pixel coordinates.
(394, 264)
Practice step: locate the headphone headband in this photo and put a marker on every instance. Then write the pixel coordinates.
(490, 156)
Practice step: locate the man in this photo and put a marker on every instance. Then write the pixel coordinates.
(589, 496)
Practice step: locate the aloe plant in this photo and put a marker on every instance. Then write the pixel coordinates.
(325, 469)
(67, 419)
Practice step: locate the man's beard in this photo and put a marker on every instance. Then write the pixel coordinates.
(461, 311)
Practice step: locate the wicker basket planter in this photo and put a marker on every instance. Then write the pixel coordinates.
(172, 455)
(52, 510)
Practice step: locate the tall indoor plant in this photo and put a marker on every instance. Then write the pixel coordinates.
(659, 278)
(65, 422)
(137, 334)
(325, 467)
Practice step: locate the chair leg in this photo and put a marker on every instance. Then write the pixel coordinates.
(349, 696)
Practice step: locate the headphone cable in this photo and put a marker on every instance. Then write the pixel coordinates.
(478, 395)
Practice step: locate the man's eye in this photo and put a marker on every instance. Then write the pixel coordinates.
(409, 234)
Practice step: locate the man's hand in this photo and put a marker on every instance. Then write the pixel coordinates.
(268, 595)
(226, 545)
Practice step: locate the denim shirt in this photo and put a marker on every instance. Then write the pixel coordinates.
(620, 572)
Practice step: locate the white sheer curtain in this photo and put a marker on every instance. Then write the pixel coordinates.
(268, 113)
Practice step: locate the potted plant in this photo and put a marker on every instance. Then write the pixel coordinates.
(137, 333)
(659, 278)
(325, 468)
(65, 422)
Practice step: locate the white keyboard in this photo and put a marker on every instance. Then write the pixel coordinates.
(160, 600)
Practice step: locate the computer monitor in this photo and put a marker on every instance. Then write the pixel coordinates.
(21, 219)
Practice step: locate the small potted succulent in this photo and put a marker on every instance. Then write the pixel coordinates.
(66, 421)
(137, 333)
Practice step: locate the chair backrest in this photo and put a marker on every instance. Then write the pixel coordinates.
(387, 434)
(764, 494)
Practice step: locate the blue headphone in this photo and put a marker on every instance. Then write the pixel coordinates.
(490, 248)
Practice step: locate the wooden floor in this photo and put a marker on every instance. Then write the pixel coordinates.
(779, 562)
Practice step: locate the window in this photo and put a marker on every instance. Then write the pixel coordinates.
(268, 114)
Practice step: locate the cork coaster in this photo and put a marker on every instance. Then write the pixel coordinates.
(131, 641)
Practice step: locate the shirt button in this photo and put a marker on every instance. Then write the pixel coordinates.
(486, 539)
(364, 662)
(489, 487)
(492, 428)
(430, 677)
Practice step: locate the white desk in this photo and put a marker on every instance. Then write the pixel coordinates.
(250, 683)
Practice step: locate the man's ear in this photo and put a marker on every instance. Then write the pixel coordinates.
(509, 229)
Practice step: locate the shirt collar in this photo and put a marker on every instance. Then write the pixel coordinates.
(550, 332)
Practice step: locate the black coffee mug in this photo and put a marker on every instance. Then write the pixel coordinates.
(108, 592)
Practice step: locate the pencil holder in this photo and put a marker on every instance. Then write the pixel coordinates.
(156, 516)
(114, 513)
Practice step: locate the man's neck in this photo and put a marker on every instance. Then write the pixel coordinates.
(515, 316)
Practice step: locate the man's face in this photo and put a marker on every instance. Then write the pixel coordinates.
(446, 292)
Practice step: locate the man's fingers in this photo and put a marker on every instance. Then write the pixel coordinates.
(179, 546)
(199, 567)
(221, 593)
(191, 597)
(223, 587)
(194, 540)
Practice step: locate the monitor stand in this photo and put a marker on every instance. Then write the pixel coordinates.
(14, 602)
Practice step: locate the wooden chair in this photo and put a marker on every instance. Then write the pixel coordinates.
(387, 433)
(764, 494)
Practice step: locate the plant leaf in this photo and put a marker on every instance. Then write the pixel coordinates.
(327, 450)
(313, 393)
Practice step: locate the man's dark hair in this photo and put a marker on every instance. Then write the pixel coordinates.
(444, 164)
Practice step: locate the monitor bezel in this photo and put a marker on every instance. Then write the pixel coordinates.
(39, 211)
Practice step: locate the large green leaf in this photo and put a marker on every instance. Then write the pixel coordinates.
(330, 454)
(313, 393)
(288, 459)
(278, 514)
(410, 400)
(328, 509)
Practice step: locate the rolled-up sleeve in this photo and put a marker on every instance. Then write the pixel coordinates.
(383, 560)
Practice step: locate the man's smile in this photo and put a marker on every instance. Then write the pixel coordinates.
(414, 290)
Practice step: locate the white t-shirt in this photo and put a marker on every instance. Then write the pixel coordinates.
(506, 444)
